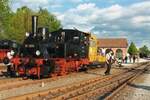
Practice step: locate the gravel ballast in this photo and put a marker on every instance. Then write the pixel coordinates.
(69, 79)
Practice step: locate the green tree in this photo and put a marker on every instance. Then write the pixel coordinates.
(20, 23)
(14, 25)
(144, 51)
(5, 14)
(132, 50)
(48, 20)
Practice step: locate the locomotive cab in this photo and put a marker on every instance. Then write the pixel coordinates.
(72, 43)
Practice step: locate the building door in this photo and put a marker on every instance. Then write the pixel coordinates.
(119, 53)
(108, 50)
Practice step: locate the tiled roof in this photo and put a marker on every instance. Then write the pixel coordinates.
(112, 43)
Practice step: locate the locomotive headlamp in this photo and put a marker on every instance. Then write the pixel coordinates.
(14, 45)
(27, 34)
(12, 52)
(63, 33)
(37, 52)
(75, 54)
(50, 35)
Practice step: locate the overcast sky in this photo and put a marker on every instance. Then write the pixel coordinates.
(106, 18)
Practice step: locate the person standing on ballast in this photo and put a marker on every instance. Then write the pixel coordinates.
(109, 61)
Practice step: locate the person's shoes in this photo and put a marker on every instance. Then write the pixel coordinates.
(107, 73)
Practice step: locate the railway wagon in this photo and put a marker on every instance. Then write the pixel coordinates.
(45, 54)
(6, 46)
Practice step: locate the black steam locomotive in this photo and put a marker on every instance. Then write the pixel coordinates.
(46, 53)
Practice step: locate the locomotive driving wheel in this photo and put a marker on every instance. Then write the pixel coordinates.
(48, 68)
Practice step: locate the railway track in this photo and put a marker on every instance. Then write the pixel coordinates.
(84, 89)
(122, 86)
(6, 80)
(133, 89)
(19, 82)
(98, 88)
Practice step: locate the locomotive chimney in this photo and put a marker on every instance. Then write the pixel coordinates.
(34, 24)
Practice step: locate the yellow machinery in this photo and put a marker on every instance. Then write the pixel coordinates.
(93, 48)
(94, 54)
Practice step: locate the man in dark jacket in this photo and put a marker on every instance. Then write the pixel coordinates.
(109, 61)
